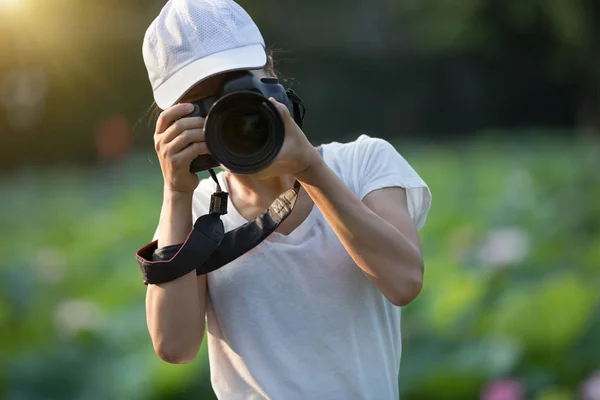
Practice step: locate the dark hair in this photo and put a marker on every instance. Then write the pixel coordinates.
(270, 69)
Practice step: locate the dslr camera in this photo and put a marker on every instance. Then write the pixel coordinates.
(244, 131)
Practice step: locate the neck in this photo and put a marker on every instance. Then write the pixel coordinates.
(253, 192)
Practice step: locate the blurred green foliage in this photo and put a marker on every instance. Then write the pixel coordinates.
(512, 251)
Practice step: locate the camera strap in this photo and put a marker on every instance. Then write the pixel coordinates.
(207, 247)
(298, 105)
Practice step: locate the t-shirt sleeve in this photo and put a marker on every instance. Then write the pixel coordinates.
(376, 164)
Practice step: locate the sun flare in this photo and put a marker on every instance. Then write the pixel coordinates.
(10, 3)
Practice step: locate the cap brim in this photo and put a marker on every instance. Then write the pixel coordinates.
(241, 58)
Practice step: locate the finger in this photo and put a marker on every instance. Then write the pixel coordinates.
(194, 150)
(283, 110)
(180, 126)
(172, 114)
(185, 139)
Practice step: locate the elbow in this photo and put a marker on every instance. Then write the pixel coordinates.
(409, 287)
(177, 353)
(176, 356)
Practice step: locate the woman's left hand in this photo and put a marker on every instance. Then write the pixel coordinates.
(297, 153)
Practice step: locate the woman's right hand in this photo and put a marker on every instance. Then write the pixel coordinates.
(178, 141)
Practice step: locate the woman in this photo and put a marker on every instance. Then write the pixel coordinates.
(314, 310)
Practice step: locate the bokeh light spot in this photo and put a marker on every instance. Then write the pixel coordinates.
(114, 138)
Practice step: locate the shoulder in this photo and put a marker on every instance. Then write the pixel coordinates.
(367, 158)
(362, 151)
(350, 149)
(361, 142)
(369, 163)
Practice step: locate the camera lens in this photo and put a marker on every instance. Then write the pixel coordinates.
(245, 132)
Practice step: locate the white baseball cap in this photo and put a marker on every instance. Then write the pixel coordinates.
(192, 40)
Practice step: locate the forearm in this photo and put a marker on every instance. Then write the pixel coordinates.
(175, 310)
(387, 257)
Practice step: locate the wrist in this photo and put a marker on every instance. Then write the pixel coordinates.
(313, 169)
(177, 197)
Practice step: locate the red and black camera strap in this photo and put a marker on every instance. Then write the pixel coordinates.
(207, 247)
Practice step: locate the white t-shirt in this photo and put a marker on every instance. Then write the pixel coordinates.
(295, 318)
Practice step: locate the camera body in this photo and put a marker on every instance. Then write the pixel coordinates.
(244, 131)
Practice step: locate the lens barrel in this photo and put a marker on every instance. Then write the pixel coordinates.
(244, 132)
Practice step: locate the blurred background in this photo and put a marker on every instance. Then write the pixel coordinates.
(495, 103)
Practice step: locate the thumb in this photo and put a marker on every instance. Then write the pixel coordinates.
(283, 110)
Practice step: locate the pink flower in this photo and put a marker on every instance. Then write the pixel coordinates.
(504, 389)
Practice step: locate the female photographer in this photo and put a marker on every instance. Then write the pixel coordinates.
(312, 312)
